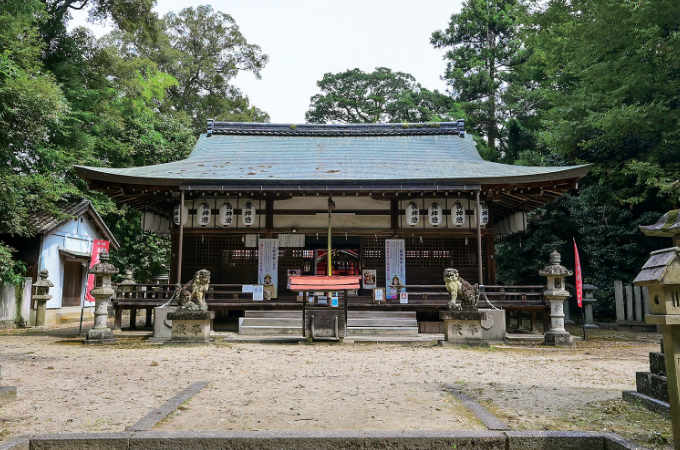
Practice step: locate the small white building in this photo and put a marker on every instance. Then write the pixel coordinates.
(64, 247)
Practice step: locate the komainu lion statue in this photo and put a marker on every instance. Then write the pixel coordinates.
(460, 289)
(191, 296)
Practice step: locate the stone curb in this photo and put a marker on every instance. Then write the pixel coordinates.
(650, 403)
(325, 440)
(147, 422)
(492, 422)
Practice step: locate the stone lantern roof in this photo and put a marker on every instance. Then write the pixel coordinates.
(43, 281)
(104, 267)
(662, 267)
(555, 269)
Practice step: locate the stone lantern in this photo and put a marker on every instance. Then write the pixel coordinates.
(126, 285)
(588, 301)
(102, 292)
(42, 288)
(661, 275)
(556, 295)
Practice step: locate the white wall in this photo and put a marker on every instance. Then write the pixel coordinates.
(8, 303)
(75, 235)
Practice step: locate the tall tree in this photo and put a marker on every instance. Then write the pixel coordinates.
(482, 47)
(381, 96)
(203, 50)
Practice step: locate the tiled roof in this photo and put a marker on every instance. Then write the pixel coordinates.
(44, 223)
(264, 154)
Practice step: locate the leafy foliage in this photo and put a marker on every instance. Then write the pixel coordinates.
(482, 51)
(382, 96)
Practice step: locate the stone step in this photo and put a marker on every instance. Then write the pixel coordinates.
(274, 314)
(390, 323)
(381, 314)
(657, 364)
(270, 322)
(270, 331)
(652, 385)
(382, 331)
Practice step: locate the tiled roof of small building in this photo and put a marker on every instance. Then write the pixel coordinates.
(667, 226)
(259, 154)
(44, 223)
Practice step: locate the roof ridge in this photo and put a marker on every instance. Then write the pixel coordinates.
(312, 129)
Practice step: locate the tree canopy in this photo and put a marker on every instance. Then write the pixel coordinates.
(68, 98)
(381, 96)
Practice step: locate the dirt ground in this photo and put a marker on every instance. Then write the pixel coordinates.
(66, 387)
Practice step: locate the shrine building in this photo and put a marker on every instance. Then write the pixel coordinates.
(421, 186)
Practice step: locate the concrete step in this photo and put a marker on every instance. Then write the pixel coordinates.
(657, 364)
(270, 331)
(269, 322)
(389, 323)
(382, 331)
(652, 385)
(381, 314)
(274, 314)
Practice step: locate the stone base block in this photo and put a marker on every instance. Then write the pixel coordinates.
(657, 364)
(463, 328)
(591, 325)
(652, 385)
(8, 394)
(162, 326)
(190, 331)
(650, 403)
(556, 339)
(100, 336)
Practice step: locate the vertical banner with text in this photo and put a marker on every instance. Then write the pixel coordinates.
(98, 246)
(395, 265)
(268, 265)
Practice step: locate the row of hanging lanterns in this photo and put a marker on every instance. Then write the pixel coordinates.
(459, 218)
(515, 223)
(225, 215)
(154, 223)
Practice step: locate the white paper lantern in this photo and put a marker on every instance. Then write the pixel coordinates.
(458, 215)
(226, 214)
(248, 214)
(164, 226)
(518, 222)
(412, 214)
(147, 221)
(434, 214)
(485, 214)
(175, 215)
(203, 214)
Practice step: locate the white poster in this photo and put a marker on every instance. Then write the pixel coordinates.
(395, 265)
(268, 265)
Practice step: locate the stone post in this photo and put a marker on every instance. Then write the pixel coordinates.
(556, 294)
(42, 288)
(588, 301)
(102, 292)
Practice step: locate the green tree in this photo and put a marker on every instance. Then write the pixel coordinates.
(203, 50)
(482, 50)
(381, 96)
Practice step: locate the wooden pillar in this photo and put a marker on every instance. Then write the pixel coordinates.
(479, 239)
(149, 312)
(181, 238)
(133, 318)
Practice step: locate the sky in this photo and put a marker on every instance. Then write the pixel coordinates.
(307, 38)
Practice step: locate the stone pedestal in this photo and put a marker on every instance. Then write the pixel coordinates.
(41, 296)
(588, 306)
(192, 327)
(162, 326)
(41, 308)
(463, 328)
(557, 336)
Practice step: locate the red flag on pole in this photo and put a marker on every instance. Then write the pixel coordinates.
(579, 280)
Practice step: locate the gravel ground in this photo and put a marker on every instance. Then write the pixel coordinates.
(65, 387)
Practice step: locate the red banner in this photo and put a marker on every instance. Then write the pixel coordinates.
(579, 279)
(98, 246)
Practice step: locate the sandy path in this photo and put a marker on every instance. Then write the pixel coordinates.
(67, 387)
